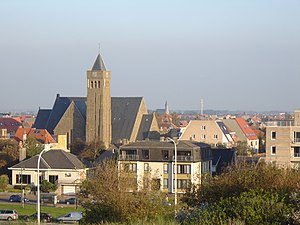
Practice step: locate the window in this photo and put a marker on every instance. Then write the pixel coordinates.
(128, 167)
(53, 179)
(297, 152)
(166, 168)
(273, 135)
(215, 136)
(23, 179)
(273, 150)
(165, 154)
(203, 127)
(183, 169)
(146, 167)
(203, 136)
(165, 184)
(182, 183)
(145, 154)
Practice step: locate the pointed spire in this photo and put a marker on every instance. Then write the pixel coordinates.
(99, 64)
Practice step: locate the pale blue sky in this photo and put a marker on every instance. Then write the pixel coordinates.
(234, 54)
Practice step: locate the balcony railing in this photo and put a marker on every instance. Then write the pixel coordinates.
(129, 157)
(296, 154)
(184, 158)
(296, 140)
(280, 123)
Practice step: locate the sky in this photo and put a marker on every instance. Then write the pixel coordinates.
(233, 54)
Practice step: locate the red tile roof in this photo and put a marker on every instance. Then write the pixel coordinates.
(247, 130)
(41, 135)
(10, 124)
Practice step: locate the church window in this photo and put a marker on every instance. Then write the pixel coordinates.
(92, 84)
(99, 84)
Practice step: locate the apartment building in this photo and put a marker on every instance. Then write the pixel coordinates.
(157, 159)
(283, 142)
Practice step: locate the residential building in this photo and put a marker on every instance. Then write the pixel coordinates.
(240, 128)
(209, 131)
(41, 135)
(157, 159)
(56, 166)
(10, 124)
(283, 142)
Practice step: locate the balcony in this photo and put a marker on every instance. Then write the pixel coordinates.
(296, 154)
(280, 123)
(129, 157)
(184, 158)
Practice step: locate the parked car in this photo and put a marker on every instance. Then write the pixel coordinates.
(8, 214)
(17, 198)
(71, 201)
(70, 217)
(45, 217)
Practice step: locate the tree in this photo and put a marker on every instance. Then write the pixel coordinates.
(10, 148)
(4, 180)
(92, 151)
(33, 147)
(78, 146)
(242, 148)
(242, 178)
(116, 198)
(47, 186)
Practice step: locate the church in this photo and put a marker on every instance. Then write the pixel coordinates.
(99, 117)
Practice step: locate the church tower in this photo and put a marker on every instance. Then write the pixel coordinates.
(98, 105)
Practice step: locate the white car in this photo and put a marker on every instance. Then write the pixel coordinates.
(70, 217)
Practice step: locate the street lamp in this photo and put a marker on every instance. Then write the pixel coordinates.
(38, 187)
(175, 171)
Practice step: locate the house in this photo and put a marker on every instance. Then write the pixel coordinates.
(212, 132)
(56, 166)
(10, 124)
(157, 158)
(283, 142)
(41, 135)
(240, 128)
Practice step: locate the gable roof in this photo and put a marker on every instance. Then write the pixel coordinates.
(247, 130)
(222, 158)
(123, 116)
(145, 128)
(52, 159)
(10, 124)
(42, 118)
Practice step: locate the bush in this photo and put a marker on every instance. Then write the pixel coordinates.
(4, 181)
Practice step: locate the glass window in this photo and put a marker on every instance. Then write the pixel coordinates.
(146, 167)
(165, 168)
(145, 154)
(273, 135)
(273, 150)
(165, 183)
(165, 154)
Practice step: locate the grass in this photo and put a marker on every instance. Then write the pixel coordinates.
(30, 209)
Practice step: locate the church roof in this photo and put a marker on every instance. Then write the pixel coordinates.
(124, 111)
(48, 119)
(53, 159)
(99, 64)
(42, 118)
(145, 128)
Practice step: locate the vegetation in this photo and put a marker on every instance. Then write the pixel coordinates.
(87, 151)
(245, 194)
(4, 180)
(33, 147)
(47, 186)
(242, 148)
(116, 199)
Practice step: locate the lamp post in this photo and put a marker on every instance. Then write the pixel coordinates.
(175, 172)
(38, 187)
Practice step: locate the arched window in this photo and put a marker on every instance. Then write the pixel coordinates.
(92, 84)
(99, 84)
